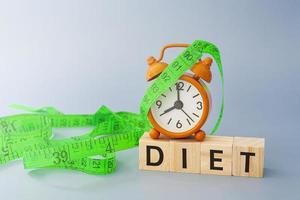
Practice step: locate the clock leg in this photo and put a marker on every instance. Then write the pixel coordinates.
(154, 134)
(200, 135)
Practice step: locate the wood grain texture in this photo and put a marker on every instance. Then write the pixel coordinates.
(185, 155)
(155, 147)
(216, 155)
(248, 156)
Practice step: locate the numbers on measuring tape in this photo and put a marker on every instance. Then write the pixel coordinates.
(109, 148)
(165, 76)
(198, 46)
(188, 55)
(154, 88)
(96, 164)
(60, 157)
(84, 162)
(177, 65)
(39, 150)
(7, 126)
(110, 164)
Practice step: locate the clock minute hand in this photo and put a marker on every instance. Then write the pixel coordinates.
(187, 115)
(178, 96)
(168, 110)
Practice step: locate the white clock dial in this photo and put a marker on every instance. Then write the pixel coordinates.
(179, 109)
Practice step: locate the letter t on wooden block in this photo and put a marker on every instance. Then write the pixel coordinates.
(216, 155)
(248, 156)
(154, 154)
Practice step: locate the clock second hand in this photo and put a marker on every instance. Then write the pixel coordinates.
(187, 115)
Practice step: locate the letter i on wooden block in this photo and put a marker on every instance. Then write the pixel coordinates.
(248, 156)
(185, 155)
(216, 155)
(154, 154)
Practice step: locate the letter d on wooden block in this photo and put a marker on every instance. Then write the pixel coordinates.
(154, 154)
(219, 155)
(248, 156)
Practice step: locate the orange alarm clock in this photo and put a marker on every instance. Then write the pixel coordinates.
(182, 110)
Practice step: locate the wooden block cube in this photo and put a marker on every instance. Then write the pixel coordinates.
(219, 155)
(185, 155)
(154, 154)
(248, 156)
(216, 155)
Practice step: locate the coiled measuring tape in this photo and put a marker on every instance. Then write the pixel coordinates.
(29, 136)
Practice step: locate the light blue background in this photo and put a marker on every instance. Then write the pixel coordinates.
(79, 55)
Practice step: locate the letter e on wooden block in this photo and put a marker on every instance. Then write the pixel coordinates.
(216, 155)
(154, 154)
(185, 155)
(248, 156)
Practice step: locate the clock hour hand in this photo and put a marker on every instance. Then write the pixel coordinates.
(187, 115)
(168, 110)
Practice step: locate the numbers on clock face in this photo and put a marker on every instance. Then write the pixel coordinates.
(158, 103)
(178, 109)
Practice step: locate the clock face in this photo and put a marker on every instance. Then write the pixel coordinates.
(179, 109)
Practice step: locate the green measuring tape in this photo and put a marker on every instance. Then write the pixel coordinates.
(29, 136)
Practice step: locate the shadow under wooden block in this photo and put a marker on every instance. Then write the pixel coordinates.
(154, 154)
(185, 155)
(248, 156)
(216, 155)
